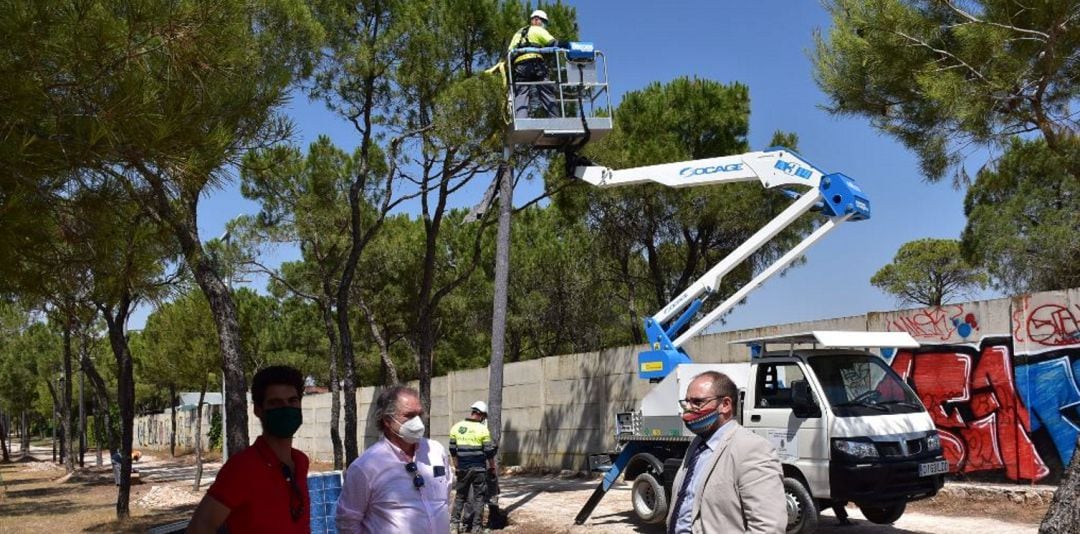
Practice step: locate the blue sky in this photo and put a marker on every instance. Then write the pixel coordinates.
(764, 44)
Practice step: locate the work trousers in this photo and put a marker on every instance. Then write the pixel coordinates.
(526, 96)
(471, 492)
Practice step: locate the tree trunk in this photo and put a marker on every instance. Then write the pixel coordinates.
(115, 319)
(61, 440)
(56, 420)
(25, 444)
(69, 436)
(99, 434)
(335, 387)
(349, 363)
(499, 305)
(1063, 516)
(172, 417)
(112, 440)
(3, 439)
(232, 359)
(348, 357)
(106, 439)
(198, 439)
(82, 419)
(427, 356)
(181, 216)
(387, 367)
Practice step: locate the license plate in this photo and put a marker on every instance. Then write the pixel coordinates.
(934, 468)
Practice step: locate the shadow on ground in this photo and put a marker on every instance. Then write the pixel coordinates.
(26, 508)
(144, 523)
(626, 518)
(828, 524)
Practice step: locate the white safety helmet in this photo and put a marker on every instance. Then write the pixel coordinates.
(480, 406)
(539, 13)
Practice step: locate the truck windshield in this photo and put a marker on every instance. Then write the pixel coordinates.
(858, 384)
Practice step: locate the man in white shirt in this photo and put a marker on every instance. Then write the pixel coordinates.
(401, 483)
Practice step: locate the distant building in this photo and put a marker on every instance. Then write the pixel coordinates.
(188, 400)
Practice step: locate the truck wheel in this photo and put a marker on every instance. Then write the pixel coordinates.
(801, 510)
(650, 500)
(883, 514)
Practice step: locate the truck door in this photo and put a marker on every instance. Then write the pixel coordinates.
(800, 440)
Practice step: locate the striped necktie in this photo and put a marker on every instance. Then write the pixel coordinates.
(691, 464)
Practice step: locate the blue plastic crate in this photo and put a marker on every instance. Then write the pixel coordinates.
(323, 492)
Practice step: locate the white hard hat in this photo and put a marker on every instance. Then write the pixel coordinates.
(479, 406)
(539, 13)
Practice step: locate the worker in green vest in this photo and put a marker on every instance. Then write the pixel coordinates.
(531, 67)
(473, 455)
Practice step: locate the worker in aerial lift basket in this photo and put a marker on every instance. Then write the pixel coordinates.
(531, 67)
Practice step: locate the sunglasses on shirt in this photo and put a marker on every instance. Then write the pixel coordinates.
(418, 480)
(296, 498)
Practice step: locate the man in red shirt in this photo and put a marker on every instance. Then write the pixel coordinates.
(264, 487)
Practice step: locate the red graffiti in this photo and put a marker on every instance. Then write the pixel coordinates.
(1053, 325)
(933, 323)
(983, 424)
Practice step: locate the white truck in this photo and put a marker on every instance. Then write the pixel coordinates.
(847, 428)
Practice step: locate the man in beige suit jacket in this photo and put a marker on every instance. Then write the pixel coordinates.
(736, 483)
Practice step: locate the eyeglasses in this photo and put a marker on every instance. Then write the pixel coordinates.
(418, 480)
(689, 403)
(296, 498)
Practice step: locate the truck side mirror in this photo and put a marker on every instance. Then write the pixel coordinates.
(802, 400)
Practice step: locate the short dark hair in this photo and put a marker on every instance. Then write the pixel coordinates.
(386, 404)
(275, 375)
(722, 386)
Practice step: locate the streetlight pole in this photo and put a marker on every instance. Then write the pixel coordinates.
(225, 237)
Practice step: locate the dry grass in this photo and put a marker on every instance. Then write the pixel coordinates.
(38, 497)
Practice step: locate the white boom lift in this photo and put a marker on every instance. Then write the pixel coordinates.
(835, 195)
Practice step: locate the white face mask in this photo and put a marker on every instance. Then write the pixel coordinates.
(412, 430)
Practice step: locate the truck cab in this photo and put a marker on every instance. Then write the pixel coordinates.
(847, 429)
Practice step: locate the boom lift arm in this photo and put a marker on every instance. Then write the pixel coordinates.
(836, 195)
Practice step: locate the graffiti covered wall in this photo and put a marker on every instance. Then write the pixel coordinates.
(1000, 379)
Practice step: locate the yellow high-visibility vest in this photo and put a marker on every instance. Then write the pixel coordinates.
(470, 443)
(535, 36)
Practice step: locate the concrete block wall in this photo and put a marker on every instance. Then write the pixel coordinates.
(556, 410)
(560, 409)
(152, 431)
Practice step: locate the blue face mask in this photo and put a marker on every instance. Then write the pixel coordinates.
(699, 422)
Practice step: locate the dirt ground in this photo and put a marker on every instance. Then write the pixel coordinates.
(549, 504)
(37, 496)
